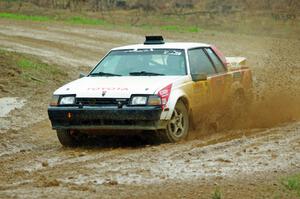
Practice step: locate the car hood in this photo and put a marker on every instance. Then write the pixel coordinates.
(112, 87)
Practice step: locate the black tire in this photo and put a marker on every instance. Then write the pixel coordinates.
(178, 126)
(66, 138)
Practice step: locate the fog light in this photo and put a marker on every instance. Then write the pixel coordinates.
(69, 115)
(154, 100)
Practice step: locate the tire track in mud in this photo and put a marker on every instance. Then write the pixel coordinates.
(49, 50)
(61, 44)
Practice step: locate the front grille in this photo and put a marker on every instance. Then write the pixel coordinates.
(101, 101)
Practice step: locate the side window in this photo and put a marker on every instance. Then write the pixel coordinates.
(199, 62)
(218, 64)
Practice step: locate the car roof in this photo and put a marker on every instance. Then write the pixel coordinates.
(171, 45)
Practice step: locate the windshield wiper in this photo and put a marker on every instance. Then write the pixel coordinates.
(103, 74)
(144, 73)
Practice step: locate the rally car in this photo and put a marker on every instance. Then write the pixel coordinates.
(156, 87)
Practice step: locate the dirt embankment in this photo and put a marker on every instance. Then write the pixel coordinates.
(33, 163)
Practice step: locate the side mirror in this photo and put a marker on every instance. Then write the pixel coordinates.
(199, 77)
(81, 75)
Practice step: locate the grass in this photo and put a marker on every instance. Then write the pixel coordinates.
(216, 194)
(25, 63)
(24, 17)
(174, 28)
(71, 20)
(292, 183)
(28, 76)
(30, 68)
(80, 20)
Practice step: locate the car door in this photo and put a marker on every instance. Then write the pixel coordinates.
(202, 94)
(220, 81)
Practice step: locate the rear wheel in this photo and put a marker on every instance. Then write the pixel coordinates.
(178, 126)
(67, 138)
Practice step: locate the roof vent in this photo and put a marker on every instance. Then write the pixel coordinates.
(150, 40)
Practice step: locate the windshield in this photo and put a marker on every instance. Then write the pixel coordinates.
(143, 62)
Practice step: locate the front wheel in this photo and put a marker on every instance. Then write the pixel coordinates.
(66, 138)
(178, 126)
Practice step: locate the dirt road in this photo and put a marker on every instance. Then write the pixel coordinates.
(243, 163)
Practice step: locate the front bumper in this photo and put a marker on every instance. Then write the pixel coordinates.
(93, 118)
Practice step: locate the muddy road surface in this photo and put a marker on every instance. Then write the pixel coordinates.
(245, 161)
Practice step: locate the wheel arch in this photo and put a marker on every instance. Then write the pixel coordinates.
(175, 98)
(185, 101)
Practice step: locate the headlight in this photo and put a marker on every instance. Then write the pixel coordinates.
(67, 100)
(54, 100)
(139, 100)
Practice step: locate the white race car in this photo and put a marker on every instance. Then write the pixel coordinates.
(156, 86)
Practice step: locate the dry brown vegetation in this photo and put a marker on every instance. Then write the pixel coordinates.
(279, 9)
(221, 6)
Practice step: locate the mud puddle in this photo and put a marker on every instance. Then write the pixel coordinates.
(191, 161)
(7, 104)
